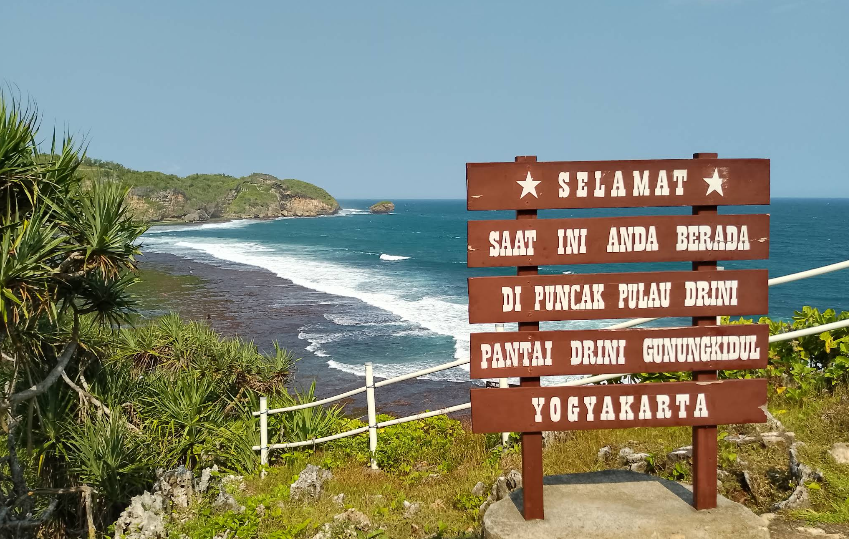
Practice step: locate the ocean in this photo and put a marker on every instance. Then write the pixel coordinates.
(393, 287)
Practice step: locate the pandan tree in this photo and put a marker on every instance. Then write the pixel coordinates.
(66, 260)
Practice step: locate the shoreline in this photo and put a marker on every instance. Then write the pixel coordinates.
(257, 305)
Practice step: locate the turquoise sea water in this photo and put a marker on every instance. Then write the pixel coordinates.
(400, 279)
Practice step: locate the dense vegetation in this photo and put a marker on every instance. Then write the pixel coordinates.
(437, 461)
(156, 196)
(89, 409)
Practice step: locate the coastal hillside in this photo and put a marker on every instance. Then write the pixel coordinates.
(156, 196)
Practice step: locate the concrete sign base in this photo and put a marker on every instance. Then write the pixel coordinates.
(620, 504)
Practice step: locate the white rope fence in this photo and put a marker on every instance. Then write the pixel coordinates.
(374, 425)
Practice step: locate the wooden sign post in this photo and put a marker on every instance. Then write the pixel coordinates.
(704, 293)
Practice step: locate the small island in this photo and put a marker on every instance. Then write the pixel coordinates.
(383, 206)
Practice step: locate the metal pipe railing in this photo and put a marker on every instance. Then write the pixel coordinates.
(373, 425)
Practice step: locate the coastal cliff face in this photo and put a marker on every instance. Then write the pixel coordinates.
(155, 196)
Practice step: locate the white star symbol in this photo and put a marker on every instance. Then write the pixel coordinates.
(714, 183)
(529, 186)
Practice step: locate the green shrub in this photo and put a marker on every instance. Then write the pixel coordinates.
(405, 448)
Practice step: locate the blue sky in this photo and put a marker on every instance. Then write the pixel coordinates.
(391, 99)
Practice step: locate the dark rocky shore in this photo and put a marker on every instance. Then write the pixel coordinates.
(257, 305)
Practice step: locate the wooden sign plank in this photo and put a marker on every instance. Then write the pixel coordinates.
(617, 295)
(610, 351)
(616, 184)
(618, 406)
(667, 238)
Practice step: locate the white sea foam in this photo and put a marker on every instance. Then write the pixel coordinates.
(237, 223)
(393, 258)
(392, 370)
(441, 315)
(352, 211)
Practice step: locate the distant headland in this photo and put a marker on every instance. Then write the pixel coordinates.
(160, 197)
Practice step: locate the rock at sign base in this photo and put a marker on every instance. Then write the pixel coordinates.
(620, 504)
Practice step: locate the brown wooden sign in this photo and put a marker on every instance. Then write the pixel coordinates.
(611, 351)
(666, 238)
(617, 406)
(617, 295)
(616, 184)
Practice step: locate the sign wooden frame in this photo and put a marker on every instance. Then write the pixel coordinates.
(704, 293)
(600, 240)
(612, 351)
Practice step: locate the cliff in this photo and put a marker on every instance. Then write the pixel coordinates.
(156, 196)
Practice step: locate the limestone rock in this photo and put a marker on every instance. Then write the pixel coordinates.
(628, 457)
(226, 503)
(639, 467)
(484, 506)
(603, 453)
(382, 207)
(411, 508)
(840, 453)
(799, 499)
(773, 438)
(260, 510)
(309, 485)
(202, 483)
(176, 487)
(479, 489)
(742, 439)
(682, 453)
(818, 532)
(339, 499)
(144, 518)
(514, 480)
(357, 519)
(500, 489)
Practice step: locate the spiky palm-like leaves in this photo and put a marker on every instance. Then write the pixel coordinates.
(65, 251)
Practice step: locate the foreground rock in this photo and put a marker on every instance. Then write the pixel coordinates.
(310, 483)
(382, 207)
(620, 504)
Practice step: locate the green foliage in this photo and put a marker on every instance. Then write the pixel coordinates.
(252, 199)
(167, 196)
(468, 502)
(308, 190)
(105, 454)
(306, 423)
(66, 261)
(409, 447)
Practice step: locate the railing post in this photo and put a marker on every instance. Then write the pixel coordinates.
(372, 416)
(502, 382)
(263, 431)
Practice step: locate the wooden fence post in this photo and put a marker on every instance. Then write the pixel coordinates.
(704, 438)
(263, 431)
(372, 416)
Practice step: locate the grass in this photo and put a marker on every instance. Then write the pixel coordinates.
(436, 462)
